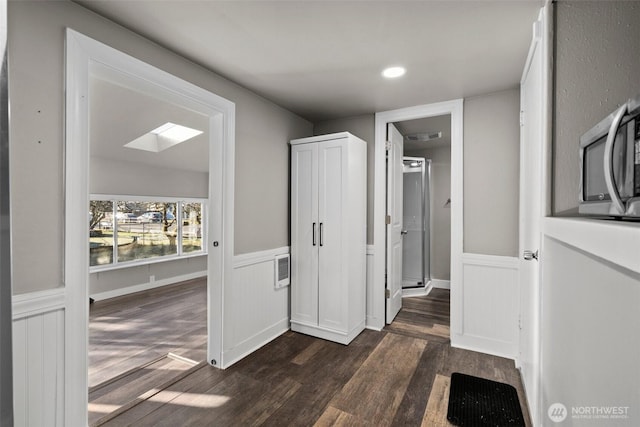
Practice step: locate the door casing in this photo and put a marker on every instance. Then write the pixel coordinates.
(376, 283)
(83, 53)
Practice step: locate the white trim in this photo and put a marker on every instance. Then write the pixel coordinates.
(418, 292)
(35, 303)
(441, 284)
(614, 241)
(85, 56)
(377, 285)
(491, 260)
(146, 286)
(251, 258)
(145, 261)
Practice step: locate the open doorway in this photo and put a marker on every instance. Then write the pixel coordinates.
(427, 203)
(148, 184)
(86, 57)
(381, 313)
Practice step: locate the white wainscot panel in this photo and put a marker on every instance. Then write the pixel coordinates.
(489, 301)
(38, 358)
(255, 311)
(371, 321)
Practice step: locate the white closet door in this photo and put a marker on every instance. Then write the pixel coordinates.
(332, 190)
(304, 233)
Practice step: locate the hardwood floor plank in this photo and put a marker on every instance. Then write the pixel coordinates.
(304, 356)
(335, 417)
(435, 414)
(411, 409)
(202, 380)
(390, 367)
(394, 377)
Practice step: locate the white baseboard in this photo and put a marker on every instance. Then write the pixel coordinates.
(441, 284)
(417, 292)
(146, 286)
(252, 344)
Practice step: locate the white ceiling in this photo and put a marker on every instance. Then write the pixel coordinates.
(426, 125)
(322, 59)
(118, 115)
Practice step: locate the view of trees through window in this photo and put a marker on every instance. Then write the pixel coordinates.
(142, 230)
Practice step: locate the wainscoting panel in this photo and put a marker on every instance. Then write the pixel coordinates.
(255, 311)
(371, 319)
(38, 358)
(489, 305)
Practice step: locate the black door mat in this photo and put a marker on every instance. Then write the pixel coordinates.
(476, 401)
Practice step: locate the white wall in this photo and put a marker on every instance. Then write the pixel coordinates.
(491, 173)
(36, 70)
(590, 340)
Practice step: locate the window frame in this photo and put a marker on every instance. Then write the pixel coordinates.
(179, 202)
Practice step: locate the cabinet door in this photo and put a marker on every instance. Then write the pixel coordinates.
(332, 190)
(304, 233)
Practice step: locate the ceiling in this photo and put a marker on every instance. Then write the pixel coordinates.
(426, 125)
(118, 115)
(323, 59)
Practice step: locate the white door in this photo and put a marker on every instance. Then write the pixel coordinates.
(304, 233)
(531, 191)
(394, 222)
(332, 188)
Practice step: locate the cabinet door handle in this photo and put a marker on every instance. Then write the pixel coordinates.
(314, 233)
(321, 235)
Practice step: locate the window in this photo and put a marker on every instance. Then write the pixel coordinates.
(136, 231)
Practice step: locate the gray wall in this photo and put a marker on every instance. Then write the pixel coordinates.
(491, 173)
(127, 178)
(441, 211)
(36, 69)
(597, 69)
(363, 127)
(131, 276)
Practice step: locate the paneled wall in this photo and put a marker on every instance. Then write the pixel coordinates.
(488, 305)
(38, 358)
(255, 313)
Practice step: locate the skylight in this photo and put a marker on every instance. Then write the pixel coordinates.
(163, 137)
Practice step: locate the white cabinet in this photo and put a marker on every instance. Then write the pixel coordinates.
(328, 236)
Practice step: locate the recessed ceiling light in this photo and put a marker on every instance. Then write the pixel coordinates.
(163, 137)
(393, 72)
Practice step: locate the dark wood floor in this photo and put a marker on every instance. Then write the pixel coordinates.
(399, 376)
(142, 341)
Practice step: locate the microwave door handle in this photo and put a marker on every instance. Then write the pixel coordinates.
(609, 177)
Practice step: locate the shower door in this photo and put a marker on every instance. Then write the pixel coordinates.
(415, 245)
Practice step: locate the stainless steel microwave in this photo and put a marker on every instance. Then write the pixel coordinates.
(610, 165)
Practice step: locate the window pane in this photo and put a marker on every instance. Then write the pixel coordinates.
(191, 227)
(100, 232)
(146, 230)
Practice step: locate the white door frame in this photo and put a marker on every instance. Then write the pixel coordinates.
(83, 54)
(541, 44)
(376, 284)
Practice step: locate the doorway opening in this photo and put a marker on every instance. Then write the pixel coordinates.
(148, 208)
(86, 57)
(385, 309)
